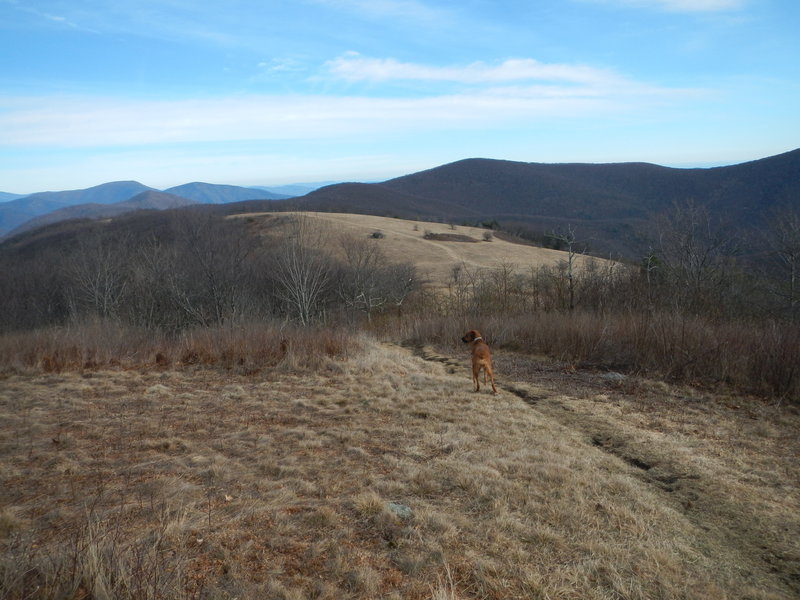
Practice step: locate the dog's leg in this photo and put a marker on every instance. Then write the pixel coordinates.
(476, 372)
(491, 378)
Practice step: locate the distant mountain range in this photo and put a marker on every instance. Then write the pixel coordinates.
(148, 200)
(5, 196)
(207, 193)
(608, 205)
(20, 213)
(295, 189)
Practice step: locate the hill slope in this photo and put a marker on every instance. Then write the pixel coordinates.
(148, 200)
(16, 212)
(5, 196)
(369, 199)
(87, 202)
(209, 193)
(607, 203)
(434, 249)
(602, 191)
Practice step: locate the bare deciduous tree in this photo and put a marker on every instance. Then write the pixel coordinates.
(401, 281)
(303, 272)
(569, 241)
(99, 276)
(783, 238)
(368, 281)
(211, 279)
(360, 285)
(696, 254)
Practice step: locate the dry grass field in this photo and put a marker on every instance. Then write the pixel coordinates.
(380, 474)
(434, 258)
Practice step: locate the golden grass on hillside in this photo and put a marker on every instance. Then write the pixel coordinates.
(383, 476)
(405, 241)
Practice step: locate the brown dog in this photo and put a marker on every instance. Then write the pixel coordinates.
(481, 359)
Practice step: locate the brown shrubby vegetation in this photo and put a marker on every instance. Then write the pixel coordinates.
(246, 347)
(689, 312)
(755, 358)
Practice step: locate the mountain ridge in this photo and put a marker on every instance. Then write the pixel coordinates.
(7, 196)
(16, 212)
(609, 204)
(211, 193)
(147, 200)
(22, 213)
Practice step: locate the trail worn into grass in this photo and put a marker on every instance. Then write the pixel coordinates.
(384, 476)
(730, 464)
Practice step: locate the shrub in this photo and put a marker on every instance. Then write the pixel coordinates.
(248, 347)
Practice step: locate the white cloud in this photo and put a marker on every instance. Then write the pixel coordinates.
(354, 67)
(516, 90)
(108, 122)
(683, 6)
(52, 18)
(88, 122)
(513, 79)
(281, 65)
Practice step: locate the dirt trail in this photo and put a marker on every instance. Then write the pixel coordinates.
(730, 465)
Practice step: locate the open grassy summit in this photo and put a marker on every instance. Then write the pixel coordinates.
(378, 474)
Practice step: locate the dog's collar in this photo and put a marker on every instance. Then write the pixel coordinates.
(477, 338)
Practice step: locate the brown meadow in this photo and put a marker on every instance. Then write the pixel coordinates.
(359, 469)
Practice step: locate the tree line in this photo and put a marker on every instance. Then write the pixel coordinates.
(185, 269)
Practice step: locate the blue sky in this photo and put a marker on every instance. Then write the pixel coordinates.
(251, 92)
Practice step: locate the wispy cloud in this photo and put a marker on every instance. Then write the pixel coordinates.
(112, 122)
(87, 122)
(282, 65)
(48, 17)
(512, 79)
(354, 67)
(472, 96)
(174, 20)
(679, 6)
